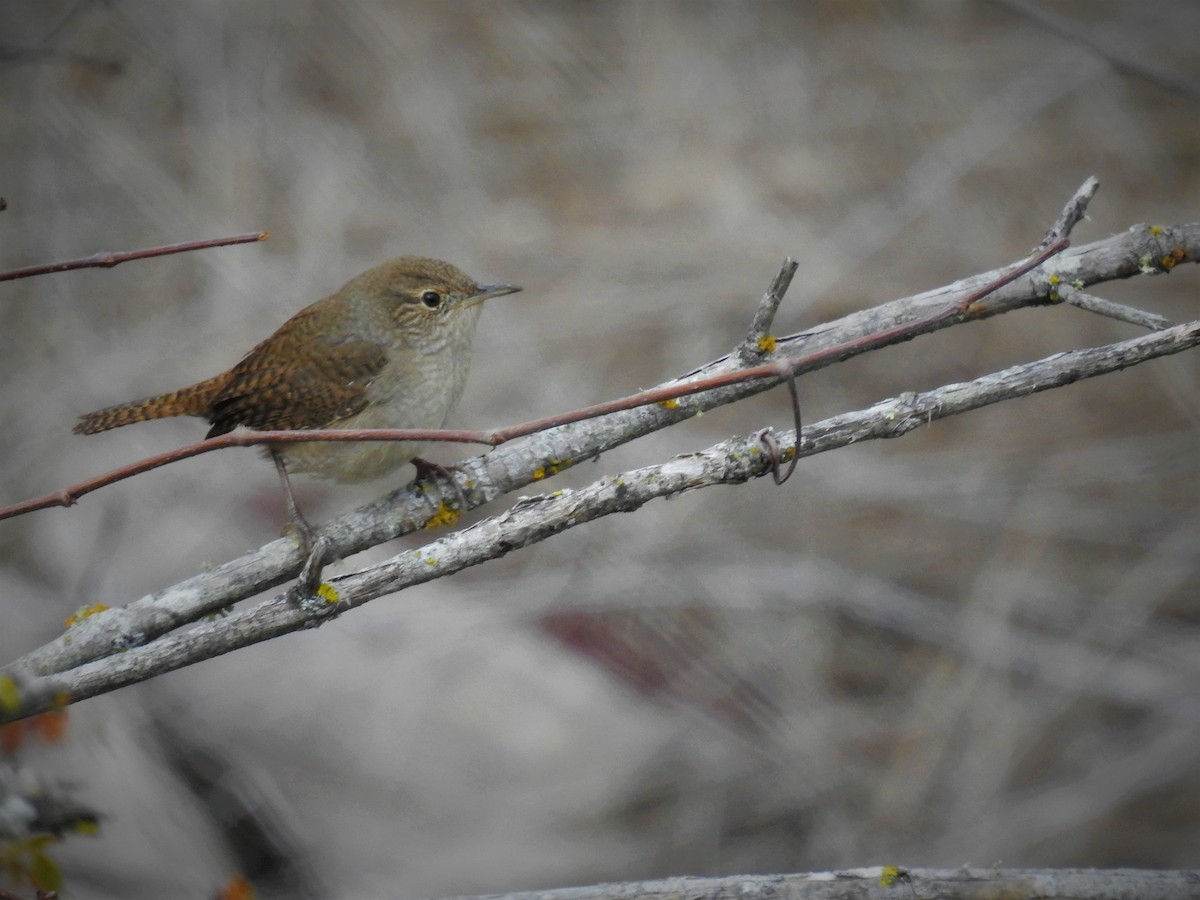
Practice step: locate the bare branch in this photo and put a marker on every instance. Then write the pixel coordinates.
(757, 344)
(531, 459)
(140, 626)
(891, 881)
(534, 519)
(107, 260)
(783, 368)
(1119, 311)
(69, 495)
(1072, 214)
(752, 350)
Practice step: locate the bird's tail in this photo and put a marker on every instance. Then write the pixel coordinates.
(196, 400)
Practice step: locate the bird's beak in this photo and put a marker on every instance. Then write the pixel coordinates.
(487, 291)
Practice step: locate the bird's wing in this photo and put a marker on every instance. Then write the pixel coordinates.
(314, 389)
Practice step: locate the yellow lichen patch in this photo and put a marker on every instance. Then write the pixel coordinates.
(767, 344)
(1054, 281)
(445, 515)
(1156, 230)
(327, 593)
(668, 404)
(84, 612)
(1150, 265)
(86, 827)
(551, 468)
(891, 874)
(10, 694)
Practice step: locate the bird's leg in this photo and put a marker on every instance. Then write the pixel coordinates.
(299, 523)
(425, 468)
(314, 548)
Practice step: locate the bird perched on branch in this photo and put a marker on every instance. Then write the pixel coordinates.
(390, 349)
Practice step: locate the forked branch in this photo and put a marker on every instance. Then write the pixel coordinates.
(165, 631)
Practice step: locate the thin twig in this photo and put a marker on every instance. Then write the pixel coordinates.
(535, 519)
(758, 341)
(1119, 311)
(882, 881)
(69, 495)
(113, 258)
(1138, 251)
(1072, 214)
(779, 369)
(770, 443)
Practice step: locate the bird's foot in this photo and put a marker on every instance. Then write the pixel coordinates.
(303, 532)
(427, 469)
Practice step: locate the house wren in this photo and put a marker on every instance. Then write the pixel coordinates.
(390, 349)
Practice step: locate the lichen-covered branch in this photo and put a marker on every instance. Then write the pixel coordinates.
(534, 519)
(897, 884)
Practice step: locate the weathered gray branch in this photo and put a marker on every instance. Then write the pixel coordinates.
(1118, 311)
(875, 884)
(82, 663)
(534, 519)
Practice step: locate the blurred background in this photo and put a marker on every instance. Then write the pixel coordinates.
(974, 645)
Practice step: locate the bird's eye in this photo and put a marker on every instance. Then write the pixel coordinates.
(431, 299)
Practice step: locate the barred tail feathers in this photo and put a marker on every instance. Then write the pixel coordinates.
(196, 400)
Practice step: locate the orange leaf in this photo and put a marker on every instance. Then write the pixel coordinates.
(50, 726)
(11, 736)
(237, 888)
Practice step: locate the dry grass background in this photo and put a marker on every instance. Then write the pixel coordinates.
(973, 645)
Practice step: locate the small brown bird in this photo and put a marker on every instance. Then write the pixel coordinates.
(390, 349)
